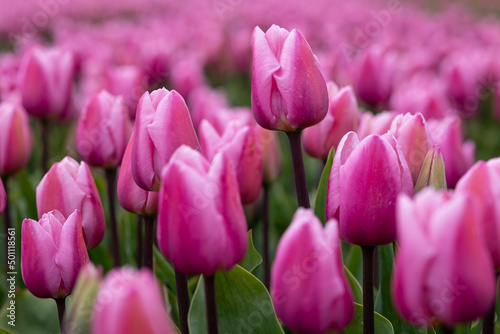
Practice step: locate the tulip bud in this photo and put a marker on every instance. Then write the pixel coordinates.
(341, 118)
(52, 253)
(130, 196)
(130, 302)
(370, 124)
(68, 186)
(207, 103)
(442, 268)
(415, 140)
(3, 198)
(242, 147)
(365, 181)
(78, 317)
(45, 81)
(15, 138)
(308, 285)
(201, 224)
(482, 180)
(288, 89)
(458, 155)
(271, 154)
(162, 125)
(103, 131)
(432, 172)
(127, 81)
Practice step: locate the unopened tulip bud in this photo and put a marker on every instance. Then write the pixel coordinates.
(432, 172)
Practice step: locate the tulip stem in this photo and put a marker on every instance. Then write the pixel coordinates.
(6, 219)
(139, 241)
(211, 304)
(368, 307)
(45, 144)
(115, 248)
(182, 300)
(149, 235)
(447, 330)
(298, 168)
(265, 236)
(61, 309)
(489, 319)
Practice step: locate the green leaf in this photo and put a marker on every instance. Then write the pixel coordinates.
(357, 291)
(243, 305)
(382, 325)
(32, 315)
(164, 270)
(354, 262)
(252, 259)
(320, 202)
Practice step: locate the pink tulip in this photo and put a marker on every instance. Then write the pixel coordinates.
(241, 145)
(3, 198)
(370, 124)
(52, 253)
(458, 155)
(288, 89)
(103, 131)
(443, 270)
(130, 196)
(128, 81)
(365, 181)
(162, 125)
(69, 186)
(341, 118)
(45, 81)
(207, 103)
(15, 138)
(308, 285)
(413, 136)
(130, 301)
(483, 180)
(271, 154)
(201, 224)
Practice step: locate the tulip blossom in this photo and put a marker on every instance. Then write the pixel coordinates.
(15, 138)
(308, 285)
(130, 301)
(288, 89)
(127, 81)
(52, 253)
(45, 82)
(130, 196)
(241, 145)
(413, 136)
(201, 224)
(162, 125)
(366, 178)
(341, 118)
(458, 155)
(271, 154)
(370, 124)
(68, 186)
(3, 198)
(482, 180)
(443, 271)
(103, 130)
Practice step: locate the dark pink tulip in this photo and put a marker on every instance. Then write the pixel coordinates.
(45, 82)
(241, 145)
(162, 124)
(365, 181)
(373, 80)
(130, 301)
(288, 89)
(443, 270)
(103, 130)
(458, 155)
(3, 198)
(130, 196)
(370, 124)
(308, 285)
(341, 118)
(483, 180)
(271, 154)
(15, 138)
(201, 224)
(69, 186)
(52, 253)
(415, 140)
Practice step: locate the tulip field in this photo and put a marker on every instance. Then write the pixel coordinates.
(235, 166)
